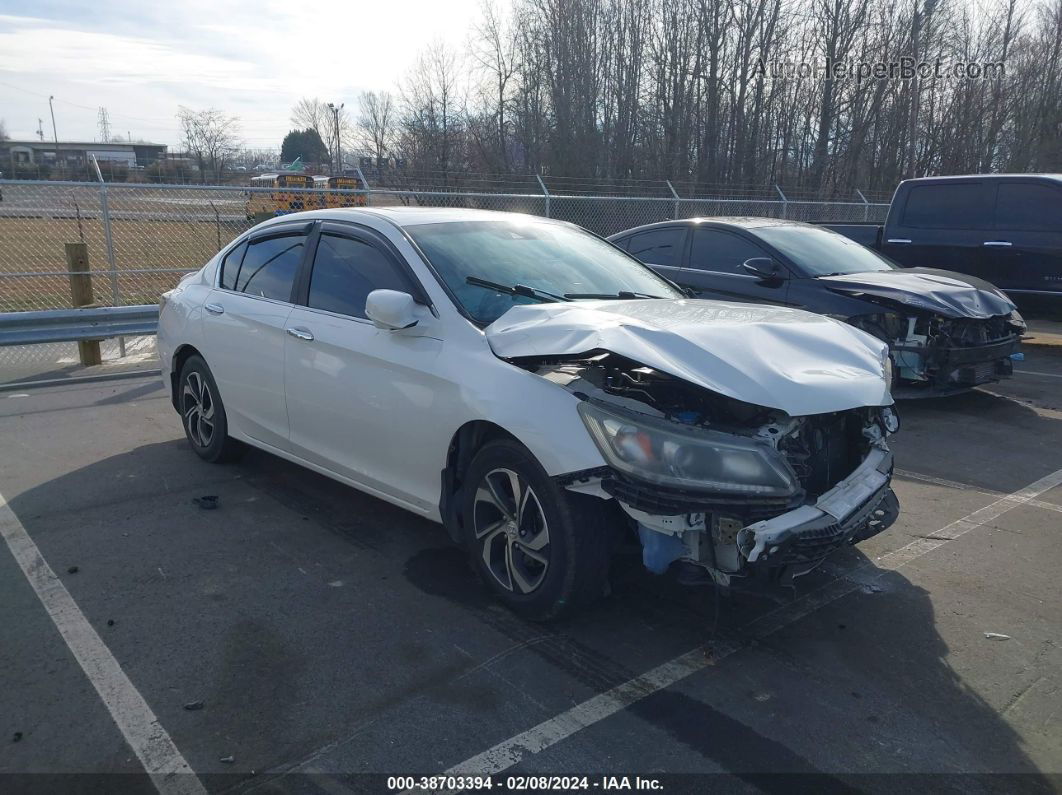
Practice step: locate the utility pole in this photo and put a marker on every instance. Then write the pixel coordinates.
(335, 129)
(55, 135)
(40, 128)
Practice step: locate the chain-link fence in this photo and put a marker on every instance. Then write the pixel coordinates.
(141, 238)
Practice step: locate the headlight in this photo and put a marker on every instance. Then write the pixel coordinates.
(660, 451)
(1016, 319)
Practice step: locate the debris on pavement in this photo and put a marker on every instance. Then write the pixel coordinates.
(16, 737)
(996, 636)
(110, 622)
(228, 760)
(72, 569)
(192, 706)
(207, 502)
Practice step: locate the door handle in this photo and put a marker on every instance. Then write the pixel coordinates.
(300, 333)
(998, 243)
(214, 309)
(898, 240)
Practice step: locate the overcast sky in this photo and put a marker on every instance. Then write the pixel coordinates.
(141, 59)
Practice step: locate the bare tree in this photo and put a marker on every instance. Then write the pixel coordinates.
(680, 89)
(212, 138)
(433, 113)
(494, 55)
(376, 123)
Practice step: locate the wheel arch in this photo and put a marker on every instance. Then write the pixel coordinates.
(180, 356)
(464, 444)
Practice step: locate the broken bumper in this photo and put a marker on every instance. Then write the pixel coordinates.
(860, 506)
(967, 366)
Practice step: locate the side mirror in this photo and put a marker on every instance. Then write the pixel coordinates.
(391, 310)
(764, 268)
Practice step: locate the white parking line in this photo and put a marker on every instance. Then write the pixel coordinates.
(169, 771)
(905, 474)
(550, 732)
(1042, 375)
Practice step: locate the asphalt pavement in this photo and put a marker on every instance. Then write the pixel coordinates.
(334, 640)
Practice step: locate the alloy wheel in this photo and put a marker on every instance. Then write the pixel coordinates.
(511, 531)
(197, 406)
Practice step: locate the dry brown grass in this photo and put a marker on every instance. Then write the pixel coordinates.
(36, 245)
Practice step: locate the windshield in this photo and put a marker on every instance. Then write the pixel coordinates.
(821, 252)
(549, 258)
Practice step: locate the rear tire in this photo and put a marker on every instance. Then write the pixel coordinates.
(203, 414)
(543, 551)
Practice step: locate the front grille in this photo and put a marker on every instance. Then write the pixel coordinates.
(976, 373)
(825, 450)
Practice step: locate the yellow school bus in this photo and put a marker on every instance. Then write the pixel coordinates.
(329, 198)
(279, 199)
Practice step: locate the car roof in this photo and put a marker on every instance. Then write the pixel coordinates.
(964, 177)
(408, 216)
(738, 221)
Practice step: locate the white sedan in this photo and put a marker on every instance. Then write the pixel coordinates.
(537, 391)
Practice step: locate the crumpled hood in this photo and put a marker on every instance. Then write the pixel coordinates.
(942, 292)
(786, 359)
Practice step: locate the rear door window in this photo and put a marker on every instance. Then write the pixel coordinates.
(947, 206)
(230, 267)
(269, 266)
(1028, 206)
(723, 252)
(658, 246)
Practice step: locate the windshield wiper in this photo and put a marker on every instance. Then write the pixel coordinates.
(516, 289)
(621, 294)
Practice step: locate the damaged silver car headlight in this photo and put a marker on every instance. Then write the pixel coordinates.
(686, 456)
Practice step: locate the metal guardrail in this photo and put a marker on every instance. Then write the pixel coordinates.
(77, 325)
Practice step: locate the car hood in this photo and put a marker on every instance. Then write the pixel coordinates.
(928, 289)
(781, 358)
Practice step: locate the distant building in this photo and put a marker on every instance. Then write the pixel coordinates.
(72, 154)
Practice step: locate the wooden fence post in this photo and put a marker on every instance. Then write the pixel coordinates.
(77, 265)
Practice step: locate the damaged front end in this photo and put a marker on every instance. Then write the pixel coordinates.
(934, 354)
(728, 491)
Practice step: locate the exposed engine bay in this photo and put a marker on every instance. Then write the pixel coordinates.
(728, 491)
(937, 353)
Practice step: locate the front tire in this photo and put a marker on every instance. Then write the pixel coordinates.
(203, 414)
(541, 550)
